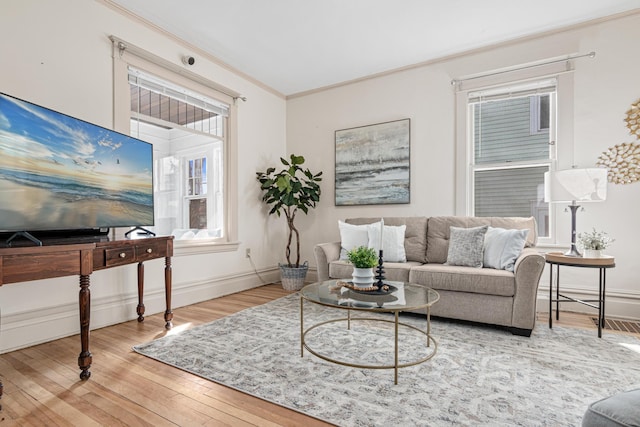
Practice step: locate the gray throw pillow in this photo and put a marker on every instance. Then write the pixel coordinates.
(502, 247)
(466, 246)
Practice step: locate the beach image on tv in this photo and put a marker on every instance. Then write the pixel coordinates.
(58, 172)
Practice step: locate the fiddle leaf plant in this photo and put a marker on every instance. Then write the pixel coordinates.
(287, 191)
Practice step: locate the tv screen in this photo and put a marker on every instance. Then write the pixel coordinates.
(61, 173)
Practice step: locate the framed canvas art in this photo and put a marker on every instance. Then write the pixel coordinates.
(372, 164)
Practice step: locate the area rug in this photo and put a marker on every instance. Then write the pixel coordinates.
(480, 376)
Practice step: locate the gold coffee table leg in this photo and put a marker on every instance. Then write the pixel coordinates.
(428, 325)
(301, 327)
(395, 377)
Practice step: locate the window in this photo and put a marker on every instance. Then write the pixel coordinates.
(511, 131)
(186, 117)
(188, 131)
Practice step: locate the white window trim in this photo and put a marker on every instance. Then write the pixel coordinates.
(561, 153)
(122, 60)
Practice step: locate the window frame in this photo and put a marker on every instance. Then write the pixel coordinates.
(122, 60)
(561, 155)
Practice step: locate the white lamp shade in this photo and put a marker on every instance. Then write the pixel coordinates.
(579, 185)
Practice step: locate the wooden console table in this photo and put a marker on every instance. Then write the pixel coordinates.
(21, 264)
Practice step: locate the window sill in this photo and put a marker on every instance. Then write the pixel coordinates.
(551, 247)
(195, 247)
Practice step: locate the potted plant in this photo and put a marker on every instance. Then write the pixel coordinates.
(363, 260)
(288, 191)
(594, 242)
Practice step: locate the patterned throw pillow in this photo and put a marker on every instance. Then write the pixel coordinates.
(466, 246)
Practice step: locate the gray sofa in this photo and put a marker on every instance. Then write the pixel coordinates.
(484, 295)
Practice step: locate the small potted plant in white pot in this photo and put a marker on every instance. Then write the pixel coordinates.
(363, 260)
(594, 242)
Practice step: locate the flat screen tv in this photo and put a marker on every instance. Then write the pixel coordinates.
(61, 173)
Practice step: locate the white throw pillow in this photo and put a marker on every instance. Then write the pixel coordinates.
(502, 247)
(392, 241)
(352, 236)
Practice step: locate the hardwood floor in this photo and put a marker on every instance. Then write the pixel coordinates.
(42, 387)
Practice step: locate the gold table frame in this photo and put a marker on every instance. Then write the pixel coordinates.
(396, 309)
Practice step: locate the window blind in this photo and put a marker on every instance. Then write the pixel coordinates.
(162, 87)
(518, 91)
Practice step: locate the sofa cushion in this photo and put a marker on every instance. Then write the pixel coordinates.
(438, 231)
(392, 241)
(351, 237)
(502, 247)
(415, 235)
(466, 246)
(464, 279)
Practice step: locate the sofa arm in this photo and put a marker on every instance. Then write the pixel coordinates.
(325, 253)
(528, 270)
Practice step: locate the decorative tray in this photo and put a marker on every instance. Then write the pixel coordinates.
(368, 291)
(376, 292)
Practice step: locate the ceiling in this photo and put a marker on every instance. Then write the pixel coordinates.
(294, 46)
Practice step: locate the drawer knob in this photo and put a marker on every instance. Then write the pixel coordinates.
(123, 255)
(149, 250)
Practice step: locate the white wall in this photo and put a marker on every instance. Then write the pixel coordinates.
(604, 89)
(58, 55)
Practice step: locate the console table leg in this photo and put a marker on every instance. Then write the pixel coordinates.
(84, 359)
(168, 314)
(140, 307)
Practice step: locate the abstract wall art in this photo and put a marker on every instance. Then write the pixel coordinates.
(373, 164)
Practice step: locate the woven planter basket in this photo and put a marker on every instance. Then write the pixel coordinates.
(292, 278)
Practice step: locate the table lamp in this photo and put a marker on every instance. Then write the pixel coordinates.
(573, 186)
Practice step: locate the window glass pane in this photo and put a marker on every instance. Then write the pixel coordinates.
(174, 121)
(544, 112)
(502, 132)
(204, 175)
(198, 214)
(197, 176)
(513, 192)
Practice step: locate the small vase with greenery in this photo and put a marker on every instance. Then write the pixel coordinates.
(594, 241)
(362, 257)
(363, 260)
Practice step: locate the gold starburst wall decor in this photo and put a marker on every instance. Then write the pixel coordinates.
(633, 119)
(623, 163)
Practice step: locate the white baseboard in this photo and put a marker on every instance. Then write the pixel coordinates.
(620, 305)
(24, 329)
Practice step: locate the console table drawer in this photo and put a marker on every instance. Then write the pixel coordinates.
(122, 252)
(151, 250)
(119, 256)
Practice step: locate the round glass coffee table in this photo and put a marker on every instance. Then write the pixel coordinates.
(402, 297)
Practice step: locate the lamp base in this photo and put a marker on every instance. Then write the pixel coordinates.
(573, 251)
